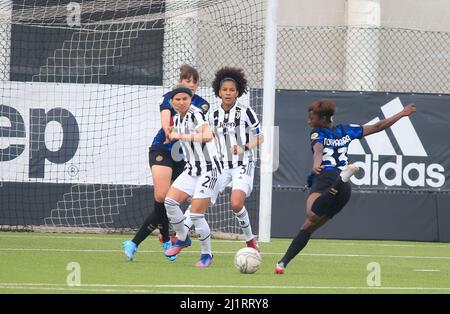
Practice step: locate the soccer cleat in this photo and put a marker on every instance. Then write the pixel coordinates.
(166, 246)
(205, 261)
(176, 247)
(173, 239)
(279, 269)
(252, 243)
(348, 172)
(129, 248)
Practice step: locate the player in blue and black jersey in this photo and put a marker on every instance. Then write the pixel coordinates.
(330, 175)
(166, 165)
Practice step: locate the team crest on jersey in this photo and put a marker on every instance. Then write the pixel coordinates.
(205, 107)
(314, 136)
(159, 158)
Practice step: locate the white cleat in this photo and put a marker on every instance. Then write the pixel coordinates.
(348, 172)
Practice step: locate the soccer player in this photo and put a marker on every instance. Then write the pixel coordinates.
(233, 123)
(164, 166)
(329, 179)
(200, 179)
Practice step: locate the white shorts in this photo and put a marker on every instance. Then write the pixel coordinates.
(239, 178)
(206, 185)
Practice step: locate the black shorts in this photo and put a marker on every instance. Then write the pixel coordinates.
(328, 204)
(160, 157)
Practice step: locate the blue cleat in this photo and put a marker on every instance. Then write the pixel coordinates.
(129, 248)
(172, 238)
(176, 247)
(205, 261)
(166, 246)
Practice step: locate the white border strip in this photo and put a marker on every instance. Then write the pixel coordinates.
(313, 241)
(223, 252)
(108, 287)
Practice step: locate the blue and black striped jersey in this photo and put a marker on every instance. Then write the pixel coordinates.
(335, 143)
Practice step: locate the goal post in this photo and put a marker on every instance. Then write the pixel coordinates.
(267, 149)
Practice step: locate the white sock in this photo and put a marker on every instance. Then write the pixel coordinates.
(176, 218)
(244, 222)
(188, 221)
(348, 172)
(203, 231)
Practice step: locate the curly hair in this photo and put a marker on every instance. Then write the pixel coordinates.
(323, 108)
(236, 75)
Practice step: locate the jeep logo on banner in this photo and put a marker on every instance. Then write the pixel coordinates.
(15, 131)
(78, 133)
(408, 165)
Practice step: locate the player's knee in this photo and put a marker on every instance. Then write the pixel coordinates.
(308, 225)
(311, 224)
(314, 214)
(237, 200)
(159, 196)
(236, 205)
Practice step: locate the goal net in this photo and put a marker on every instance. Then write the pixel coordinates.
(80, 86)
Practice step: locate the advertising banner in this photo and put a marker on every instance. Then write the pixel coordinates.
(413, 154)
(79, 133)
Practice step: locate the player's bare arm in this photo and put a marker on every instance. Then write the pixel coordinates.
(165, 121)
(165, 124)
(258, 140)
(386, 123)
(204, 135)
(237, 150)
(317, 158)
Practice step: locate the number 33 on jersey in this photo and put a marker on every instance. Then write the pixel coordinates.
(335, 143)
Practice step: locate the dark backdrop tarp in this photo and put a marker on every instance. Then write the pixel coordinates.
(33, 47)
(370, 216)
(431, 123)
(375, 211)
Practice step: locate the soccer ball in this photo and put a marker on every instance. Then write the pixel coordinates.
(247, 260)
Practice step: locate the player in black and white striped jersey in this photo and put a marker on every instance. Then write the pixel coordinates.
(200, 157)
(163, 168)
(232, 129)
(238, 131)
(201, 178)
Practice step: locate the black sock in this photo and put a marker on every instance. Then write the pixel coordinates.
(160, 210)
(149, 225)
(296, 246)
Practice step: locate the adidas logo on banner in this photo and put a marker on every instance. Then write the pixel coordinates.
(412, 174)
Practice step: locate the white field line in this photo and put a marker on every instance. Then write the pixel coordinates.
(430, 245)
(427, 270)
(91, 238)
(74, 289)
(140, 288)
(219, 252)
(315, 241)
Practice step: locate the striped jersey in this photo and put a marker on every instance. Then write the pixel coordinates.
(234, 128)
(199, 157)
(335, 143)
(166, 103)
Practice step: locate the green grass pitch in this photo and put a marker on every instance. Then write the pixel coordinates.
(37, 263)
